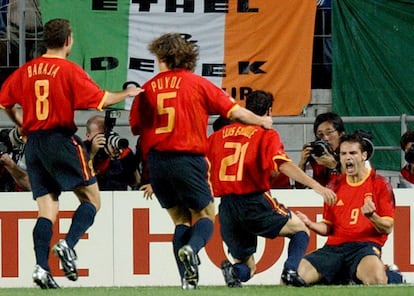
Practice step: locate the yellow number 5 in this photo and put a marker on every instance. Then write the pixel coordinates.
(42, 104)
(169, 111)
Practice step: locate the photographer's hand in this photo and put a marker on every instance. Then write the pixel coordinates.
(306, 153)
(113, 152)
(98, 142)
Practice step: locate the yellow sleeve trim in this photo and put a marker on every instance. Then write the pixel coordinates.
(279, 157)
(100, 106)
(232, 109)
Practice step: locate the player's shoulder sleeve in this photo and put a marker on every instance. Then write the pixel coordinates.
(384, 197)
(87, 93)
(271, 140)
(217, 100)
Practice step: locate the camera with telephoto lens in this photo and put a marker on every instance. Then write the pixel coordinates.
(409, 155)
(113, 138)
(320, 147)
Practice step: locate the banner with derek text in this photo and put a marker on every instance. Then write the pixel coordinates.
(244, 45)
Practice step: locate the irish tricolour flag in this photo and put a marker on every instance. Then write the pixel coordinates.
(244, 44)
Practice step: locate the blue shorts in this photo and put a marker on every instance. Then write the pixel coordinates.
(56, 162)
(179, 179)
(245, 217)
(338, 264)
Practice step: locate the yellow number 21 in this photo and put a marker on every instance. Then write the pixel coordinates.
(236, 158)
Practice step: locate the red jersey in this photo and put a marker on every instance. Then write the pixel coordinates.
(243, 158)
(349, 224)
(172, 113)
(49, 89)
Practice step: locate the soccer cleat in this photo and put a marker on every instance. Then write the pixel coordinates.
(67, 258)
(394, 274)
(229, 274)
(185, 285)
(291, 278)
(191, 262)
(43, 278)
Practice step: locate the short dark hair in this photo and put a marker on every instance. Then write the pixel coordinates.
(406, 138)
(175, 51)
(220, 122)
(259, 102)
(331, 117)
(55, 32)
(365, 144)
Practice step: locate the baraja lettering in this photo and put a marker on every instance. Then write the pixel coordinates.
(42, 69)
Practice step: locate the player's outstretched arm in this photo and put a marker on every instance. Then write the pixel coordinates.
(291, 170)
(320, 228)
(246, 116)
(117, 97)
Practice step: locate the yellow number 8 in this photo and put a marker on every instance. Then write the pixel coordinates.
(42, 104)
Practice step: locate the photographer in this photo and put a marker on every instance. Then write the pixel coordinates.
(321, 155)
(407, 172)
(113, 161)
(13, 175)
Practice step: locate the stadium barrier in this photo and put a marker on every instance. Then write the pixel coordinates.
(129, 244)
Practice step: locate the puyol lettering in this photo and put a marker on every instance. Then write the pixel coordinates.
(166, 83)
(189, 6)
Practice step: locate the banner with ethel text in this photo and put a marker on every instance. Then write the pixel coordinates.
(244, 45)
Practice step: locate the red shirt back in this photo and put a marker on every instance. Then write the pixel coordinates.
(172, 113)
(49, 89)
(243, 157)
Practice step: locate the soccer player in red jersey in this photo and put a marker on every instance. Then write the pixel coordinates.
(243, 159)
(49, 89)
(356, 226)
(171, 117)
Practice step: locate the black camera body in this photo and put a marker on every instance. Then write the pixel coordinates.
(10, 141)
(409, 155)
(113, 138)
(320, 147)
